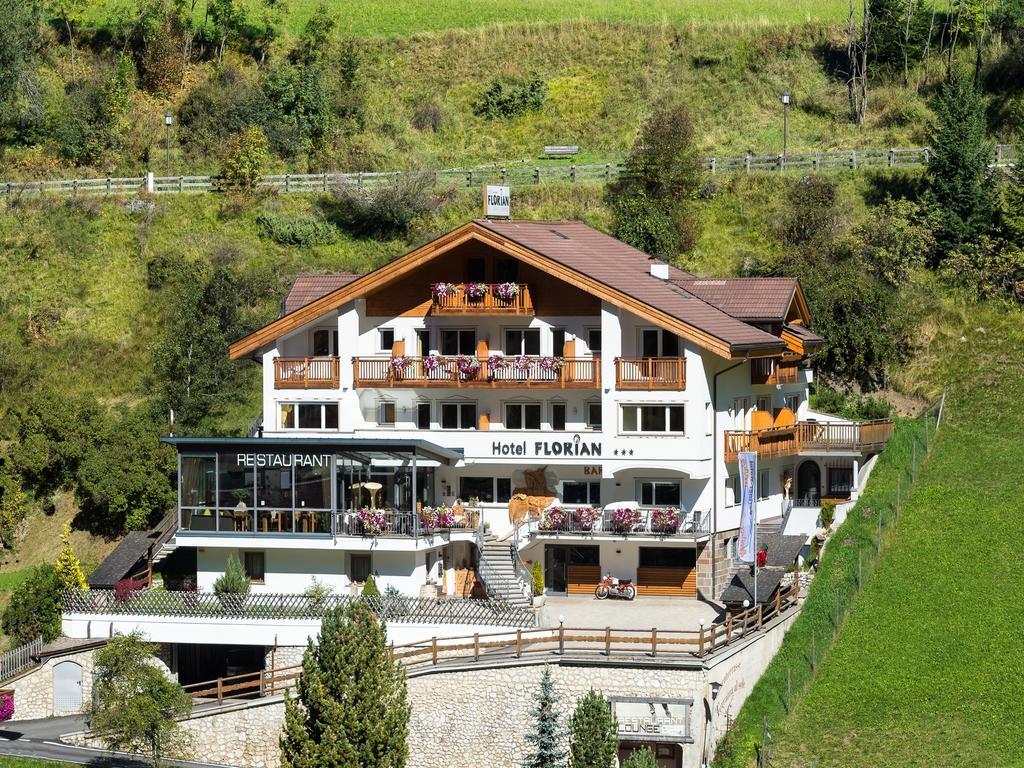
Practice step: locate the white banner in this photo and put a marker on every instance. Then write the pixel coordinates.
(747, 548)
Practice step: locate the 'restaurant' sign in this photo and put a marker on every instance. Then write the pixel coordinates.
(497, 201)
(662, 720)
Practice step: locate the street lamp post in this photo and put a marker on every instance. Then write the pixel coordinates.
(785, 123)
(168, 119)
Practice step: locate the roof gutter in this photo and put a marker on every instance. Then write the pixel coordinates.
(714, 472)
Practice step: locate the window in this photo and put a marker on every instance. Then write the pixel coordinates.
(325, 342)
(506, 271)
(254, 566)
(653, 418)
(422, 342)
(476, 270)
(575, 492)
(198, 481)
(764, 404)
(763, 484)
(504, 490)
(313, 487)
(557, 341)
(558, 416)
(458, 415)
(655, 342)
(732, 484)
(594, 340)
(660, 493)
(359, 568)
(423, 415)
(458, 342)
(840, 481)
(522, 415)
(793, 402)
(309, 415)
(478, 487)
(386, 415)
(386, 339)
(667, 557)
(593, 415)
(525, 341)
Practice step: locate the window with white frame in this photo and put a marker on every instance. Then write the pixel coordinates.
(522, 415)
(594, 415)
(655, 342)
(523, 341)
(458, 416)
(732, 490)
(580, 492)
(458, 341)
(308, 415)
(763, 484)
(558, 416)
(386, 413)
(653, 419)
(740, 406)
(385, 339)
(660, 493)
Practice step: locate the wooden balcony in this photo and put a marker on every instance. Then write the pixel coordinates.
(571, 373)
(490, 303)
(306, 372)
(809, 437)
(772, 370)
(650, 373)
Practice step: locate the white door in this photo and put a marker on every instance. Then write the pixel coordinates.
(67, 687)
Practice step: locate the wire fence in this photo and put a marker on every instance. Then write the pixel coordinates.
(1004, 155)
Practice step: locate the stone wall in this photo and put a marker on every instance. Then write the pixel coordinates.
(33, 691)
(724, 566)
(284, 656)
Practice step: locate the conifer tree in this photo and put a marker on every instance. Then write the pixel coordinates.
(593, 733)
(641, 758)
(351, 709)
(547, 736)
(69, 568)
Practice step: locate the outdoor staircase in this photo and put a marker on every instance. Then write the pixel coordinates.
(769, 527)
(165, 551)
(498, 573)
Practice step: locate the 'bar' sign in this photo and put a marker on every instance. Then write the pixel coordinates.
(497, 201)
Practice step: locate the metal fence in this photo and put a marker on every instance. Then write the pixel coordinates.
(401, 610)
(17, 660)
(1004, 155)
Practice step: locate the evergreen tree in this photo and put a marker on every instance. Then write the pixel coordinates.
(69, 568)
(641, 758)
(546, 736)
(351, 709)
(234, 580)
(593, 733)
(959, 184)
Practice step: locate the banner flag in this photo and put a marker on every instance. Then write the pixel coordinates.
(747, 548)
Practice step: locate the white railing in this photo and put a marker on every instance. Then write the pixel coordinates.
(17, 660)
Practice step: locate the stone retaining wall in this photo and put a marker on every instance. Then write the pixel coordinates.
(33, 691)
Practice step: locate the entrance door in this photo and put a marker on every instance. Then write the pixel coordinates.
(555, 570)
(808, 482)
(575, 570)
(67, 687)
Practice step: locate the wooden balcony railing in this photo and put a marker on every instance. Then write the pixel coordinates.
(465, 371)
(650, 373)
(809, 437)
(770, 370)
(306, 372)
(490, 302)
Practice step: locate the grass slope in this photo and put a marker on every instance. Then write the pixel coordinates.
(927, 669)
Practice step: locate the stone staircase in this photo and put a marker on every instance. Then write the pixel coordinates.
(498, 573)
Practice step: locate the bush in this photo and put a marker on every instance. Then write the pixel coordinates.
(318, 594)
(303, 232)
(509, 97)
(34, 610)
(370, 587)
(828, 514)
(387, 210)
(68, 567)
(641, 758)
(648, 225)
(428, 117)
(537, 572)
(126, 589)
(849, 405)
(593, 736)
(234, 580)
(988, 268)
(894, 241)
(246, 161)
(812, 212)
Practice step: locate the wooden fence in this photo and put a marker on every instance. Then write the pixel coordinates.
(1004, 155)
(17, 660)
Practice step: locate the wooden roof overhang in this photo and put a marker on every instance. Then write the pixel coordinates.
(411, 261)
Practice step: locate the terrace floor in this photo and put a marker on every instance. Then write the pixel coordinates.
(642, 613)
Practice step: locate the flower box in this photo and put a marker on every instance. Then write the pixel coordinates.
(586, 518)
(624, 519)
(444, 290)
(555, 519)
(374, 521)
(467, 366)
(506, 291)
(475, 291)
(665, 520)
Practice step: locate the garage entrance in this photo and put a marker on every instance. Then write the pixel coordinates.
(669, 571)
(572, 570)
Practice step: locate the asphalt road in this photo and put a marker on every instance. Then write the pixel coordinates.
(39, 739)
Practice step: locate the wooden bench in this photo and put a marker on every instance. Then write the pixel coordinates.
(561, 151)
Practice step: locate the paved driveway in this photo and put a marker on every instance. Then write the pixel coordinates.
(642, 613)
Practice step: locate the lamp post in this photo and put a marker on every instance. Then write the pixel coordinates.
(785, 123)
(168, 119)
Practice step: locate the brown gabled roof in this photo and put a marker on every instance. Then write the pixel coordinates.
(569, 251)
(308, 288)
(753, 299)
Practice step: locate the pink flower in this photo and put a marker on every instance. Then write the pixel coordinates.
(475, 290)
(665, 520)
(506, 291)
(6, 707)
(442, 290)
(625, 519)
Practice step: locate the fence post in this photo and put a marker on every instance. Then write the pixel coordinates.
(324, 180)
(746, 163)
(469, 178)
(607, 641)
(519, 642)
(760, 614)
(781, 163)
(220, 689)
(476, 647)
(999, 154)
(572, 173)
(927, 155)
(536, 175)
(728, 629)
(817, 162)
(359, 181)
(654, 641)
(714, 163)
(150, 185)
(504, 172)
(608, 171)
(892, 157)
(778, 601)
(853, 159)
(561, 638)
(109, 185)
(433, 649)
(181, 184)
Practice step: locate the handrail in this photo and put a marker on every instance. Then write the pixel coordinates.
(650, 373)
(307, 372)
(488, 302)
(472, 371)
(809, 435)
(522, 572)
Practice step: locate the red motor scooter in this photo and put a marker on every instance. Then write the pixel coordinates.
(612, 587)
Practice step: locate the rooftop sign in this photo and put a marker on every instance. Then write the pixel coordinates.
(497, 201)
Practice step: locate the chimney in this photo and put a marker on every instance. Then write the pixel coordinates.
(659, 270)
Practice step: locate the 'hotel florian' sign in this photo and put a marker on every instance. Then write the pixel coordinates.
(547, 448)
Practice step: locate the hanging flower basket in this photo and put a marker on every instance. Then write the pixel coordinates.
(665, 520)
(522, 363)
(555, 519)
(551, 364)
(586, 518)
(428, 518)
(496, 363)
(467, 366)
(506, 291)
(624, 519)
(432, 363)
(475, 291)
(444, 290)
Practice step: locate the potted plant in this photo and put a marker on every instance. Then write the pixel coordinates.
(232, 586)
(665, 520)
(550, 364)
(444, 290)
(506, 291)
(468, 366)
(374, 521)
(433, 363)
(625, 519)
(496, 363)
(475, 291)
(398, 364)
(429, 518)
(537, 574)
(555, 519)
(522, 363)
(586, 518)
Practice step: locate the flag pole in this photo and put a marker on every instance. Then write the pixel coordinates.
(757, 472)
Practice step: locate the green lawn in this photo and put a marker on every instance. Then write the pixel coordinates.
(928, 667)
(25, 762)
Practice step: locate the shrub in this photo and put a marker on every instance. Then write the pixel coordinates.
(895, 240)
(812, 212)
(12, 511)
(68, 567)
(126, 589)
(370, 587)
(6, 708)
(387, 210)
(828, 514)
(641, 758)
(428, 117)
(234, 580)
(246, 160)
(303, 232)
(593, 734)
(647, 225)
(34, 610)
(509, 97)
(537, 572)
(318, 594)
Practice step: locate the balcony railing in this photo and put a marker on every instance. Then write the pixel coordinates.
(770, 370)
(468, 371)
(650, 373)
(810, 437)
(486, 299)
(306, 372)
(303, 521)
(630, 521)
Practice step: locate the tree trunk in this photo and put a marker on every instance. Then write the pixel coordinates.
(851, 59)
(906, 43)
(862, 116)
(927, 50)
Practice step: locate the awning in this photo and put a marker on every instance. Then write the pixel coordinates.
(390, 448)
